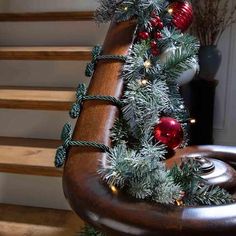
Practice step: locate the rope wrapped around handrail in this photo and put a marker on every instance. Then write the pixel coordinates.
(66, 137)
(96, 56)
(81, 96)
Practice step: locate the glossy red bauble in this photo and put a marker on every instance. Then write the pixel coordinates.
(182, 13)
(143, 35)
(169, 132)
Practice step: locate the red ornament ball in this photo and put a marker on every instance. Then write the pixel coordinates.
(160, 25)
(143, 35)
(153, 44)
(169, 132)
(157, 35)
(154, 22)
(182, 13)
(155, 52)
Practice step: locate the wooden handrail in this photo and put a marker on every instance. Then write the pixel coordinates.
(113, 211)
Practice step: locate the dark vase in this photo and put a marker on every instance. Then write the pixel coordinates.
(209, 60)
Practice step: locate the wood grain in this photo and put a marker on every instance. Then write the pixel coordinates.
(48, 16)
(46, 53)
(33, 221)
(36, 98)
(28, 156)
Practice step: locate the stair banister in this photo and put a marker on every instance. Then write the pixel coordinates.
(113, 211)
(96, 120)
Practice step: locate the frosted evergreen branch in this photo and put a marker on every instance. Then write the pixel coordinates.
(180, 60)
(123, 10)
(90, 231)
(106, 10)
(196, 191)
(172, 37)
(134, 67)
(143, 177)
(142, 105)
(119, 132)
(209, 195)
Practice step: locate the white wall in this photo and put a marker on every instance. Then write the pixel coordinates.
(33, 190)
(225, 102)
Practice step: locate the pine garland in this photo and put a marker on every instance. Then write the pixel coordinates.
(135, 162)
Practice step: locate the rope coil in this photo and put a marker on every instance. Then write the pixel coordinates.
(81, 96)
(66, 136)
(96, 56)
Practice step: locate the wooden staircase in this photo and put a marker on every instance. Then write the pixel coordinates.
(45, 53)
(36, 156)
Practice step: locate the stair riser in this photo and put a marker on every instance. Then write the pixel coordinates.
(51, 33)
(32, 124)
(43, 73)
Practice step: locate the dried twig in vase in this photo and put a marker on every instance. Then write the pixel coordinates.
(212, 18)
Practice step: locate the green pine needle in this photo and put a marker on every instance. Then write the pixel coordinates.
(90, 231)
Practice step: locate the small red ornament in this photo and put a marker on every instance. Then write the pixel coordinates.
(160, 25)
(154, 22)
(155, 52)
(154, 14)
(143, 35)
(157, 35)
(182, 13)
(158, 18)
(153, 44)
(169, 132)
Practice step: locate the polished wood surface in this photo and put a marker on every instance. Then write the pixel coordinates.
(47, 16)
(37, 98)
(34, 221)
(28, 156)
(45, 53)
(114, 212)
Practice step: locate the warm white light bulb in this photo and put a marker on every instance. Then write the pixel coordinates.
(147, 64)
(143, 82)
(193, 121)
(170, 10)
(113, 189)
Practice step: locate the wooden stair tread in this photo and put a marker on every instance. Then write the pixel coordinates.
(36, 98)
(34, 221)
(48, 16)
(28, 156)
(45, 53)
